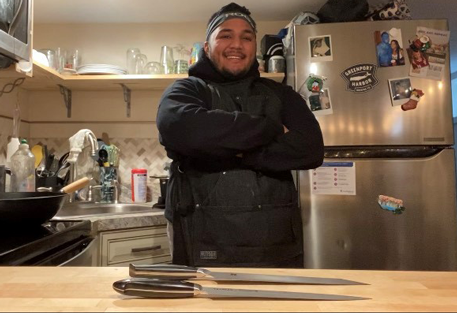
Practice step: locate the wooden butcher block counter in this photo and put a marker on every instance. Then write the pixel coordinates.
(89, 289)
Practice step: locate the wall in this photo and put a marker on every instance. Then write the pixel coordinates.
(137, 136)
(8, 103)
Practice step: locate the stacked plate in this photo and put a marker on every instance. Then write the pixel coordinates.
(100, 69)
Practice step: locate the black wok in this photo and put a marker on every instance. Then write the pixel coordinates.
(34, 208)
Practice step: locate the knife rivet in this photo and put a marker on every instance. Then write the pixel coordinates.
(260, 206)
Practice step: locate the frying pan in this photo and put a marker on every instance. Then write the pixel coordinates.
(34, 208)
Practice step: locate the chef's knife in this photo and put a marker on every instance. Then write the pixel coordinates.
(179, 272)
(156, 288)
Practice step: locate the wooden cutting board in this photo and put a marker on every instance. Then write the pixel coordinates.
(90, 289)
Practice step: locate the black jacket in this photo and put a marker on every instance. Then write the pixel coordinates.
(190, 128)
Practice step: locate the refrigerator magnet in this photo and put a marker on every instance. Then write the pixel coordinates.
(360, 77)
(321, 104)
(321, 48)
(391, 204)
(400, 90)
(389, 47)
(427, 53)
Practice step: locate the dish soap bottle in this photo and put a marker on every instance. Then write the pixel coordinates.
(23, 169)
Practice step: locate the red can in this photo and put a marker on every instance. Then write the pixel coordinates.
(139, 184)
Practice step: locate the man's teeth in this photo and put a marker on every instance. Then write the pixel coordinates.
(233, 57)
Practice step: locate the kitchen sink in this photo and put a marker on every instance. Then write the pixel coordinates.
(84, 209)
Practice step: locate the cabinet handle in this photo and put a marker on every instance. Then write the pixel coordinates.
(134, 250)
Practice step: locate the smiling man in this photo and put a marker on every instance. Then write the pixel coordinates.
(234, 138)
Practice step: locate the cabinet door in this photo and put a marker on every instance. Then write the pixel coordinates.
(148, 245)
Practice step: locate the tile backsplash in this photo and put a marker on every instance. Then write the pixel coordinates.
(3, 144)
(134, 153)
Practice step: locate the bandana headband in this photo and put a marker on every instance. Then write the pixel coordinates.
(223, 17)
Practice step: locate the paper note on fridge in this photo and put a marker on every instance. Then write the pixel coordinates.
(334, 178)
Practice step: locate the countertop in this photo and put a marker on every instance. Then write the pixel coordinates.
(90, 289)
(105, 222)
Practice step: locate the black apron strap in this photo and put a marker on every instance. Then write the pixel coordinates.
(182, 243)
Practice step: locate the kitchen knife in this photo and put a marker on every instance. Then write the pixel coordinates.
(180, 272)
(152, 288)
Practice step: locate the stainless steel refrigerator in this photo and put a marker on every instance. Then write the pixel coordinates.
(385, 197)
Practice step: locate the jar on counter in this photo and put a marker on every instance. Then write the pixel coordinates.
(276, 64)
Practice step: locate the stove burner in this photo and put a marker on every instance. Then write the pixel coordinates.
(39, 245)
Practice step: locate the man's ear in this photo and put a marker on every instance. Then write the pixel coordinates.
(206, 47)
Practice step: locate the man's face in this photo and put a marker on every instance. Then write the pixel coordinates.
(232, 47)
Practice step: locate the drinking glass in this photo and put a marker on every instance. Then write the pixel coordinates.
(153, 68)
(140, 62)
(51, 56)
(180, 67)
(131, 59)
(166, 59)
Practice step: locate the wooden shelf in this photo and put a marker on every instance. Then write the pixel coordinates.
(45, 78)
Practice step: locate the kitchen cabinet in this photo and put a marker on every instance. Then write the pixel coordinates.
(145, 245)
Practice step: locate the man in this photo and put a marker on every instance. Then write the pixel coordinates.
(233, 138)
(384, 50)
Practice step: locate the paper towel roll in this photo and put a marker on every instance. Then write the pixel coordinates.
(12, 147)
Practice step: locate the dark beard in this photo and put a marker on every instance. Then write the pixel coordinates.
(231, 76)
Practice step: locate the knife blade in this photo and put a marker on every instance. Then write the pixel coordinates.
(156, 288)
(181, 272)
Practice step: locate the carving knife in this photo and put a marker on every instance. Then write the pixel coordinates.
(180, 272)
(156, 288)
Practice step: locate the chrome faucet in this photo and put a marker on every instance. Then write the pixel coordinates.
(74, 153)
(93, 144)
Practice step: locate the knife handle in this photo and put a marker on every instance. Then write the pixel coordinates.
(152, 288)
(169, 271)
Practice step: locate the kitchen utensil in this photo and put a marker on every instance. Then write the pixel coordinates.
(103, 157)
(149, 288)
(181, 272)
(101, 69)
(37, 151)
(34, 208)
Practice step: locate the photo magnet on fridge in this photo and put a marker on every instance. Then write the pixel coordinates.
(403, 94)
(400, 90)
(389, 47)
(427, 53)
(321, 48)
